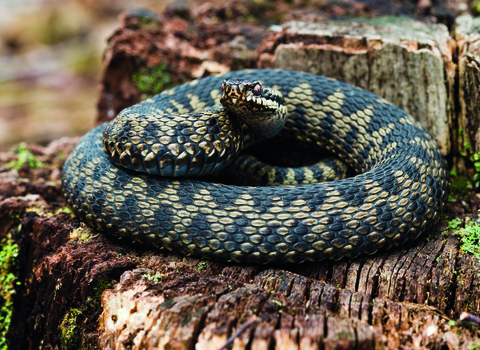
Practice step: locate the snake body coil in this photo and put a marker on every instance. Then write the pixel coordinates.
(398, 193)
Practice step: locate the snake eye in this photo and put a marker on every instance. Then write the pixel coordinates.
(257, 90)
(223, 86)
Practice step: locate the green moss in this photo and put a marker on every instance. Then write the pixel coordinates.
(24, 157)
(460, 186)
(475, 345)
(155, 278)
(100, 286)
(470, 238)
(454, 224)
(71, 338)
(201, 265)
(152, 81)
(8, 281)
(82, 234)
(476, 162)
(475, 158)
(65, 210)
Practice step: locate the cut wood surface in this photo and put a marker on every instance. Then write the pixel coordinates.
(78, 289)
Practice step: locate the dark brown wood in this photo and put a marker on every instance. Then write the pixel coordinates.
(442, 275)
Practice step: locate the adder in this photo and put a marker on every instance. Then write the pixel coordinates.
(145, 190)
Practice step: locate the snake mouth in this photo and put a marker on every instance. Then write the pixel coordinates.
(231, 100)
(250, 98)
(251, 110)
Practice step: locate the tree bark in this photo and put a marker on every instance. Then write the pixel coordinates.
(468, 135)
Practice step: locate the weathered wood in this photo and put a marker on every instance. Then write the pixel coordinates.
(442, 275)
(405, 61)
(467, 34)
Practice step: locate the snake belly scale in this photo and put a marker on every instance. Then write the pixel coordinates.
(401, 186)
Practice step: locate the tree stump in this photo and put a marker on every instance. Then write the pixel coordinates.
(407, 62)
(468, 132)
(73, 288)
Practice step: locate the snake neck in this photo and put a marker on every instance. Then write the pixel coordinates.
(262, 109)
(263, 127)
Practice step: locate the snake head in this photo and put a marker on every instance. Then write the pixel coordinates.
(261, 108)
(250, 97)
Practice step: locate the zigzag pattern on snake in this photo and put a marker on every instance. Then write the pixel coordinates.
(398, 194)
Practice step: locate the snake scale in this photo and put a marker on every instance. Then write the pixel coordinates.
(397, 194)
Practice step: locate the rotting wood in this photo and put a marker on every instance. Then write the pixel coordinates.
(374, 300)
(467, 34)
(442, 275)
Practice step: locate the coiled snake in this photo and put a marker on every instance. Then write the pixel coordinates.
(401, 186)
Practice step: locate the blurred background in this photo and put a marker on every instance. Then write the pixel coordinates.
(50, 64)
